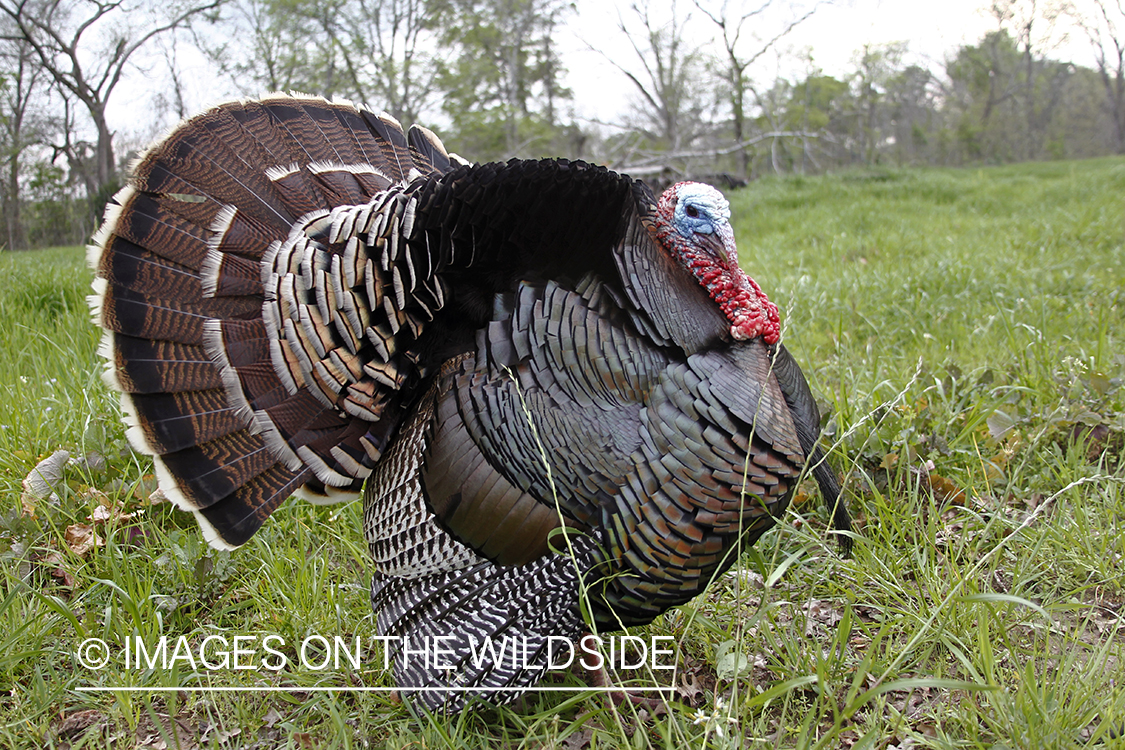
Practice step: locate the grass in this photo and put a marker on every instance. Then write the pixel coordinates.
(963, 329)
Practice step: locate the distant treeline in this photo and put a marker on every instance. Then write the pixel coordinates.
(490, 73)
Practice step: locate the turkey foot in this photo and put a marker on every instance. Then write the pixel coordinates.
(599, 677)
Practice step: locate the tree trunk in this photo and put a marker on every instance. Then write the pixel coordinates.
(16, 239)
(105, 169)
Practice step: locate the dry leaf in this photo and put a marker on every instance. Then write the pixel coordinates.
(999, 424)
(42, 480)
(689, 691)
(78, 722)
(579, 740)
(58, 570)
(823, 612)
(81, 538)
(945, 491)
(93, 461)
(110, 510)
(27, 505)
(179, 731)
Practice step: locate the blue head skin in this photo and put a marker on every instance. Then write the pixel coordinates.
(702, 216)
(699, 208)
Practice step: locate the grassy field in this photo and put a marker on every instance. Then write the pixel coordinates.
(964, 329)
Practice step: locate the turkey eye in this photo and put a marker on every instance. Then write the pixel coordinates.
(692, 211)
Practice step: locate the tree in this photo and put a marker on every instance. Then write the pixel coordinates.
(739, 59)
(876, 66)
(819, 104)
(84, 47)
(911, 97)
(503, 87)
(21, 86)
(1008, 97)
(673, 87)
(398, 37)
(1042, 80)
(1104, 26)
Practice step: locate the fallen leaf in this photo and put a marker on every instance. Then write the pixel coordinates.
(945, 491)
(41, 481)
(110, 510)
(27, 505)
(93, 461)
(579, 740)
(55, 561)
(221, 736)
(823, 612)
(689, 690)
(78, 722)
(179, 732)
(81, 538)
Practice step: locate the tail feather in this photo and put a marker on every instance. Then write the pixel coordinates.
(144, 366)
(134, 313)
(207, 169)
(431, 150)
(212, 471)
(392, 144)
(260, 126)
(340, 183)
(230, 275)
(236, 422)
(311, 143)
(234, 232)
(141, 270)
(355, 131)
(146, 222)
(232, 522)
(171, 422)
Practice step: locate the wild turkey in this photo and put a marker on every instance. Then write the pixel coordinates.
(300, 298)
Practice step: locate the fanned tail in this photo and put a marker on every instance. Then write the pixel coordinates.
(180, 287)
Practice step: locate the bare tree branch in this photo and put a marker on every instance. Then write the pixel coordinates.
(43, 25)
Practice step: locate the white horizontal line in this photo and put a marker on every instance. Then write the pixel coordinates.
(321, 689)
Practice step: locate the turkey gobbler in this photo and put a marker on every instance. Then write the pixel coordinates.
(549, 386)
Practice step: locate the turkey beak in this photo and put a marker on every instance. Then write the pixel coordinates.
(720, 243)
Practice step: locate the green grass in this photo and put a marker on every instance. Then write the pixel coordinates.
(963, 329)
